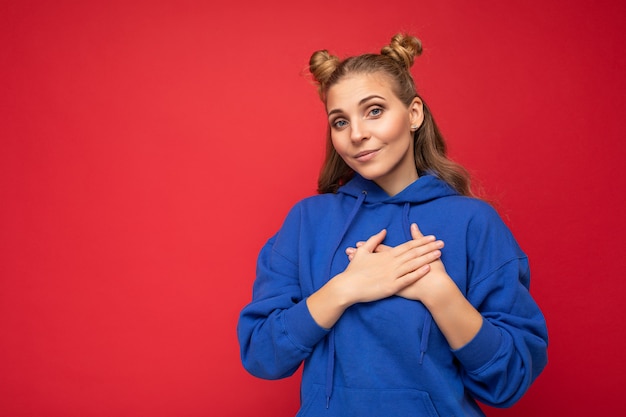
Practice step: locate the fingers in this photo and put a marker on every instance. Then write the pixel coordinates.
(415, 261)
(419, 252)
(413, 276)
(415, 231)
(375, 240)
(352, 251)
(418, 246)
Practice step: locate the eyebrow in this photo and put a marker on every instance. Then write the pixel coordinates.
(364, 100)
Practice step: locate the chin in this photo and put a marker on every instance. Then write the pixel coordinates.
(368, 176)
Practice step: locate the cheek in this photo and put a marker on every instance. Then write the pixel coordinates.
(337, 143)
(396, 130)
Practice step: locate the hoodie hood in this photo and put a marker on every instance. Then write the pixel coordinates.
(426, 188)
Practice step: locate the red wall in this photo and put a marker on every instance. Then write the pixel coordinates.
(148, 151)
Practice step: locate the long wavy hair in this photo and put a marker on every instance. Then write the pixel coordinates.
(394, 61)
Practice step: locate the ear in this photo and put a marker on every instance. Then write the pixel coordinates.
(416, 113)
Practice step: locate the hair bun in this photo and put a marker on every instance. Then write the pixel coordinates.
(322, 65)
(403, 49)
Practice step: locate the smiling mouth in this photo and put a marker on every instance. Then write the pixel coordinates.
(365, 156)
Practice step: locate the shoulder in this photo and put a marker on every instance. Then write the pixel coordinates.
(491, 246)
(472, 210)
(484, 216)
(309, 212)
(314, 206)
(482, 223)
(489, 238)
(318, 200)
(313, 201)
(482, 212)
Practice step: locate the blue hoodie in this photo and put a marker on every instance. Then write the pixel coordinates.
(388, 357)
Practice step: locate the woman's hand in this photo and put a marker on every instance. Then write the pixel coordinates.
(435, 281)
(435, 274)
(377, 271)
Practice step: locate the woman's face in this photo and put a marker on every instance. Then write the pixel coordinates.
(371, 130)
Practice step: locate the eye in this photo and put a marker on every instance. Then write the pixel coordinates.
(339, 123)
(375, 112)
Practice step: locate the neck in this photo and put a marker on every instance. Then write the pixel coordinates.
(395, 187)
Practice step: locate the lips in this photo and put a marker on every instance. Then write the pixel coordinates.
(365, 156)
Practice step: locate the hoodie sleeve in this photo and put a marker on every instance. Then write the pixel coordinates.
(510, 350)
(276, 330)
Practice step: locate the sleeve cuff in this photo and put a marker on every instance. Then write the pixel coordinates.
(481, 349)
(301, 328)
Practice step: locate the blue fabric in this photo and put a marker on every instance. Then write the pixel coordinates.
(388, 357)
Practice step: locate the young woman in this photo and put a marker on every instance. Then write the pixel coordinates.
(387, 321)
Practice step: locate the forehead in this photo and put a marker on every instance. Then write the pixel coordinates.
(351, 89)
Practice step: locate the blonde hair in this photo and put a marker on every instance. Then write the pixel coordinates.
(394, 61)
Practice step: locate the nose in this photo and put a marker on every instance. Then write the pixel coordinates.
(357, 131)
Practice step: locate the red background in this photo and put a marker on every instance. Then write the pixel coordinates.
(149, 149)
